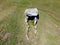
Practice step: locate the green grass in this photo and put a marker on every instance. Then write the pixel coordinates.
(48, 25)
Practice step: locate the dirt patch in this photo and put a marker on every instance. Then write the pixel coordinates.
(6, 36)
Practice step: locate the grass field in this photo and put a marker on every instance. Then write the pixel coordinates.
(12, 26)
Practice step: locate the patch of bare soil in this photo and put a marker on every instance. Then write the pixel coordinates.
(6, 36)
